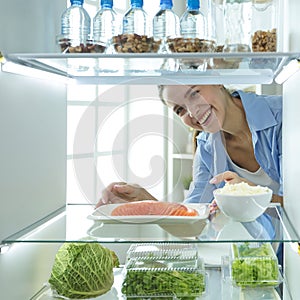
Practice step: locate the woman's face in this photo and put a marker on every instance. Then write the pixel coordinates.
(201, 107)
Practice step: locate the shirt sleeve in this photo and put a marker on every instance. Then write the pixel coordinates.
(201, 191)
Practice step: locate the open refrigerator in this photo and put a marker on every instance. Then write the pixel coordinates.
(27, 250)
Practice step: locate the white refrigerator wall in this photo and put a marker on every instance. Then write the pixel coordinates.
(32, 118)
(33, 145)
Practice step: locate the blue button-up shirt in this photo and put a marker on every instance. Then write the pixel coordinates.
(264, 117)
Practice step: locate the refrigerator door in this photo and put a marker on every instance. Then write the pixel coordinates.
(291, 175)
(291, 145)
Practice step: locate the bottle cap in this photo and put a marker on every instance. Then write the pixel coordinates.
(76, 2)
(166, 4)
(106, 3)
(137, 3)
(193, 4)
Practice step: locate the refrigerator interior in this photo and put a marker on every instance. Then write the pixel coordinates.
(38, 119)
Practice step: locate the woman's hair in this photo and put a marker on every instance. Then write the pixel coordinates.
(195, 132)
(160, 93)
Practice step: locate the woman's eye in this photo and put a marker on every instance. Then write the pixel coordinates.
(194, 93)
(180, 111)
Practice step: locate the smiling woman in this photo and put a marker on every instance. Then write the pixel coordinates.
(239, 139)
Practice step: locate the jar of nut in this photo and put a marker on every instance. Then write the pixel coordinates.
(265, 25)
(238, 16)
(136, 35)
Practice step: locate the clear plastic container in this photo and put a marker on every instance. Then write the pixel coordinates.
(166, 270)
(193, 37)
(163, 250)
(136, 35)
(265, 27)
(191, 45)
(193, 23)
(75, 29)
(165, 23)
(216, 22)
(134, 43)
(254, 265)
(237, 15)
(135, 20)
(105, 24)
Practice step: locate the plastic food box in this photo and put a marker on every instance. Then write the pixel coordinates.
(254, 265)
(167, 251)
(163, 271)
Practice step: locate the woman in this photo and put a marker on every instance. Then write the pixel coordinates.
(240, 140)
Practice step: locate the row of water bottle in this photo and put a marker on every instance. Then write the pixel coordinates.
(76, 27)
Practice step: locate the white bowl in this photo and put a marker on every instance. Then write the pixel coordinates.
(243, 208)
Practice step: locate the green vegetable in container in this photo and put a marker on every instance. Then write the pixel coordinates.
(154, 283)
(254, 266)
(83, 270)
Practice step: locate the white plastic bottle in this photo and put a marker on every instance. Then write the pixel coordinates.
(76, 24)
(135, 19)
(165, 22)
(105, 23)
(193, 23)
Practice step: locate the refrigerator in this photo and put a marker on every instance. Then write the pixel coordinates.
(33, 127)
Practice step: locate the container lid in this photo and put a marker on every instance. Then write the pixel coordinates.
(136, 3)
(106, 3)
(166, 4)
(76, 2)
(168, 251)
(193, 4)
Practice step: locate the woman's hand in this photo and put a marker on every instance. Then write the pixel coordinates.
(228, 177)
(118, 192)
(213, 207)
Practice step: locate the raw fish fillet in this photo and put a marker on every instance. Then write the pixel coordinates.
(156, 208)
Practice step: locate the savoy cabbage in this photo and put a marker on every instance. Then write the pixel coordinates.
(83, 270)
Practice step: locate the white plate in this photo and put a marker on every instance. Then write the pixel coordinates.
(103, 214)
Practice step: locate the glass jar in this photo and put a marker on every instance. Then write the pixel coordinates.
(265, 25)
(237, 25)
(216, 22)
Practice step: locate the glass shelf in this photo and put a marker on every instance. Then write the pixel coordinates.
(72, 225)
(188, 156)
(153, 68)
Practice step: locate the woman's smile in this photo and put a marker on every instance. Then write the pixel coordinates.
(205, 117)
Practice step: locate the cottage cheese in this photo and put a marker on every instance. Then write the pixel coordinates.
(243, 188)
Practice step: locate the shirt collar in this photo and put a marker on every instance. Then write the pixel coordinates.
(257, 110)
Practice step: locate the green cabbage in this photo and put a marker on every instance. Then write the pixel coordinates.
(83, 270)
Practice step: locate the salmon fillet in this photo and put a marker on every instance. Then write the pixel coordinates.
(156, 208)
